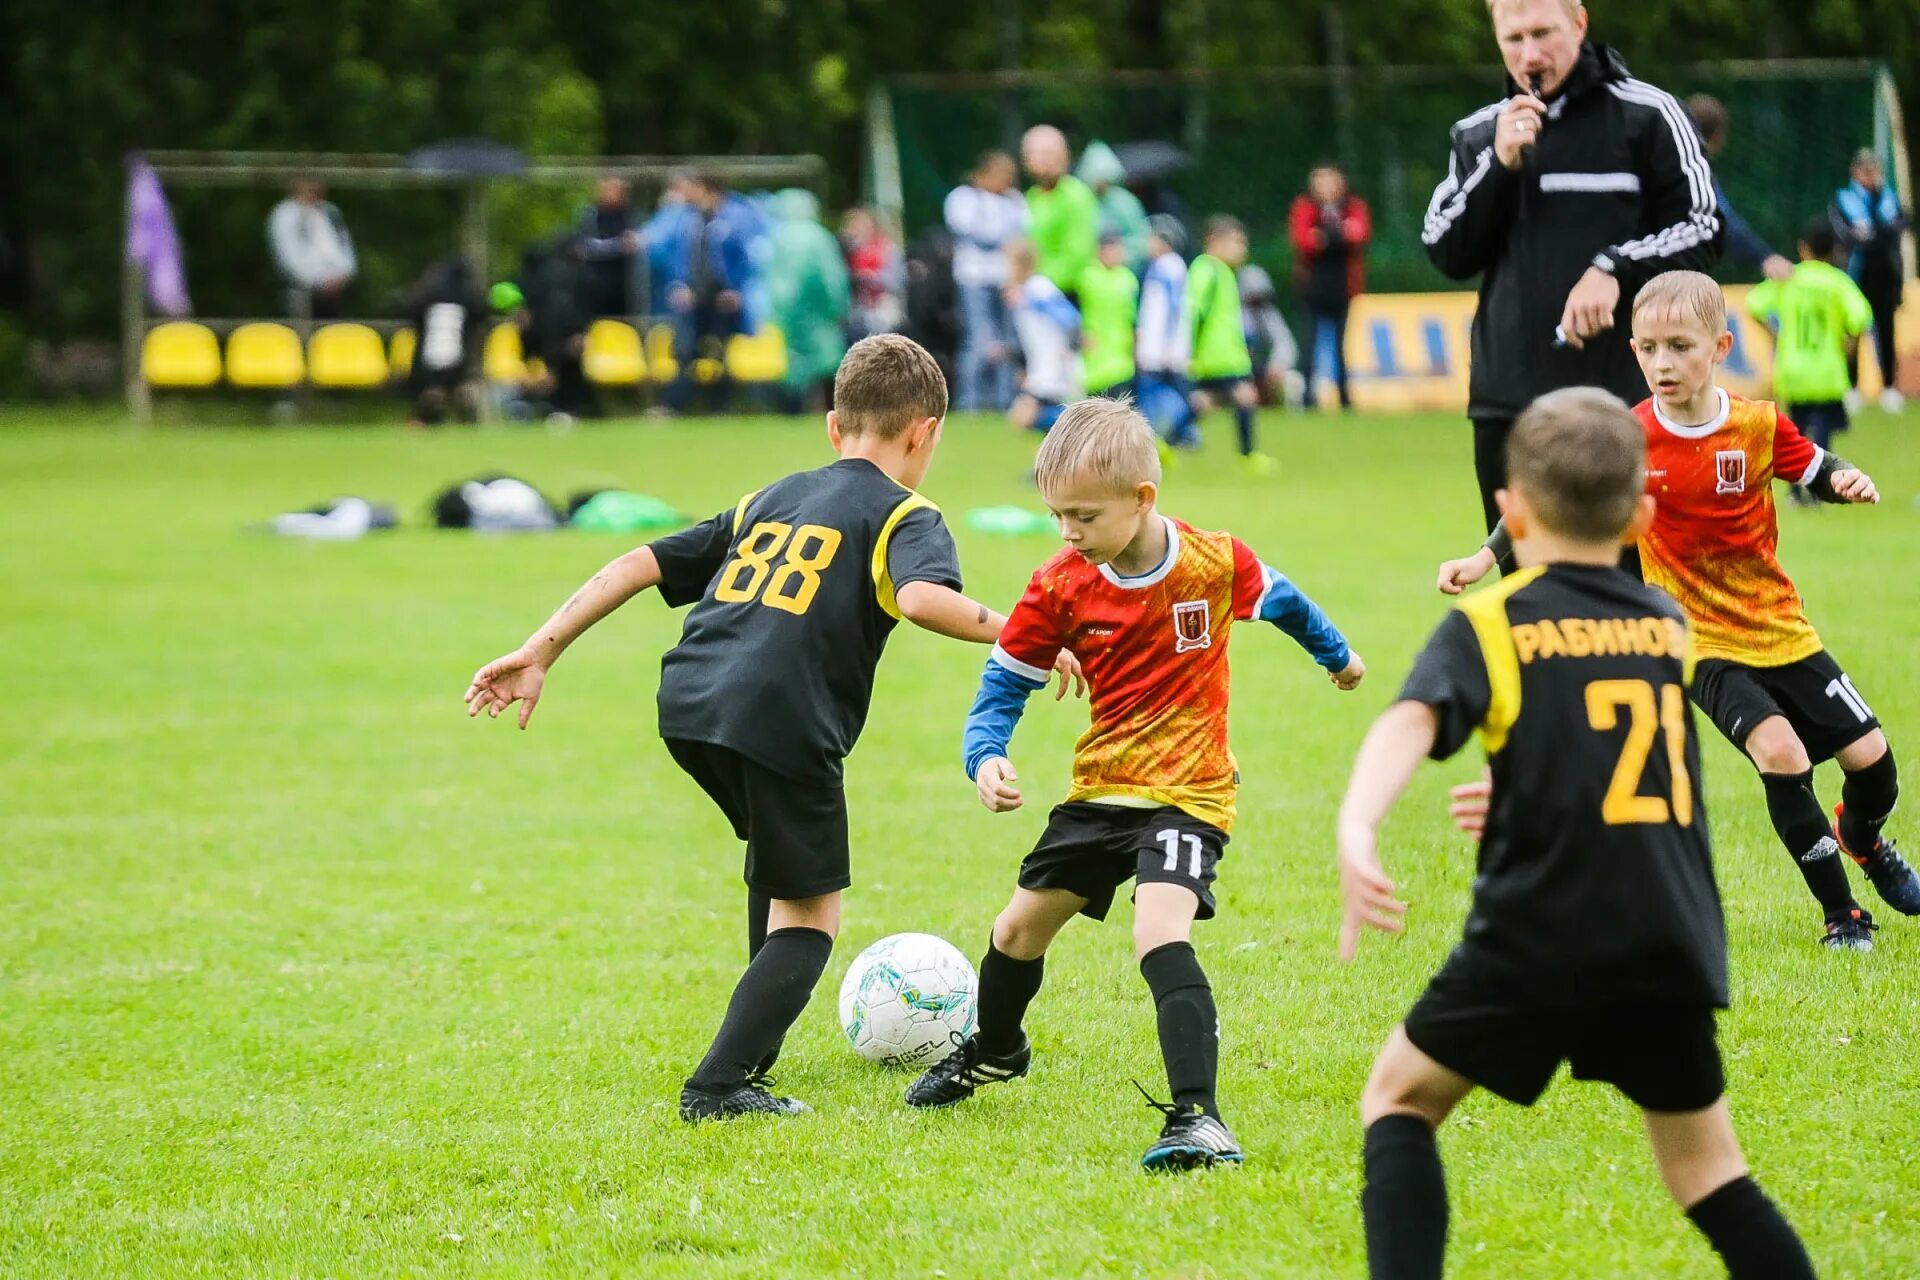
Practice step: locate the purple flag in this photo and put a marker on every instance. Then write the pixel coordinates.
(151, 240)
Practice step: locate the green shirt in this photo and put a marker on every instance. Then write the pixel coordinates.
(1064, 225)
(1109, 300)
(1815, 312)
(1219, 340)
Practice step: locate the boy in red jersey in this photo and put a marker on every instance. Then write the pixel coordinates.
(1147, 603)
(1764, 678)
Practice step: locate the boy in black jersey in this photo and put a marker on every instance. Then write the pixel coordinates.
(1595, 935)
(794, 590)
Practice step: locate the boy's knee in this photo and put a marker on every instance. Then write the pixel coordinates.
(1245, 395)
(1775, 748)
(1151, 935)
(1017, 936)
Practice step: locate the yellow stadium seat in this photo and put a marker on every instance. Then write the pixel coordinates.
(758, 357)
(347, 356)
(180, 354)
(661, 365)
(612, 357)
(503, 360)
(265, 356)
(400, 357)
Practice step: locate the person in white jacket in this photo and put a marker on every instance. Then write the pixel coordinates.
(313, 250)
(1163, 339)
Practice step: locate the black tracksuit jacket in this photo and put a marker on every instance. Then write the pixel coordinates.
(1616, 180)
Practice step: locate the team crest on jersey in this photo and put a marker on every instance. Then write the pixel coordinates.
(1192, 625)
(1730, 471)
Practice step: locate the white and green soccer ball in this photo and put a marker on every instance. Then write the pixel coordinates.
(907, 1000)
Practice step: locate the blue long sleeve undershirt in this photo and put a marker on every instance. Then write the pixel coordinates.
(1003, 693)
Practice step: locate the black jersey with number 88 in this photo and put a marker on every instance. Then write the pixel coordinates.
(1595, 876)
(793, 594)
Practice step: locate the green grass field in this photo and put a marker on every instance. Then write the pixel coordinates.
(304, 974)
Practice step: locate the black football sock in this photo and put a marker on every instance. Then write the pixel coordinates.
(1007, 987)
(1243, 423)
(759, 906)
(768, 999)
(1803, 828)
(1869, 797)
(1189, 1024)
(1748, 1232)
(1404, 1202)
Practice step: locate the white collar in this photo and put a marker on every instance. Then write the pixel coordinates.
(1155, 574)
(1706, 428)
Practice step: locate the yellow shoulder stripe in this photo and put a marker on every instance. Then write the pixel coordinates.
(1487, 611)
(882, 576)
(740, 512)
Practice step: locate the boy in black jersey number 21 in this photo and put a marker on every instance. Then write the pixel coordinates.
(794, 593)
(1595, 935)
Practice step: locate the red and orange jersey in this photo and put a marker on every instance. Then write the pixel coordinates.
(1715, 531)
(1154, 649)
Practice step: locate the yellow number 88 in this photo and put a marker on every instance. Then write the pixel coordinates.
(810, 549)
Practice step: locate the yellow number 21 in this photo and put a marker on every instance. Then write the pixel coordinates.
(792, 585)
(1624, 804)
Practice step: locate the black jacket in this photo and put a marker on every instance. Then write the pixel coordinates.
(1617, 180)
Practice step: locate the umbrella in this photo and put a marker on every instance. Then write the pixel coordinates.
(469, 158)
(1151, 159)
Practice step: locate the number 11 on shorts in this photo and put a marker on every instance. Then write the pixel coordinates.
(1843, 689)
(1172, 838)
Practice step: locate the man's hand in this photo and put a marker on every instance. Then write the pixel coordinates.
(1590, 307)
(1457, 575)
(1365, 892)
(1776, 268)
(1067, 667)
(1517, 128)
(1469, 803)
(680, 297)
(727, 301)
(505, 681)
(995, 780)
(1349, 676)
(1853, 485)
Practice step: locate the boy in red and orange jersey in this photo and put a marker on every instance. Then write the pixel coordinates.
(1147, 603)
(1764, 678)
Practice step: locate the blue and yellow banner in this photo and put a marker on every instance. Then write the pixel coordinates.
(1410, 350)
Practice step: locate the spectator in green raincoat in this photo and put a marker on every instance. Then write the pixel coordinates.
(807, 282)
(1120, 211)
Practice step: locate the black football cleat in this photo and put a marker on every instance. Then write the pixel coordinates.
(1850, 931)
(1190, 1139)
(955, 1077)
(751, 1099)
(1889, 873)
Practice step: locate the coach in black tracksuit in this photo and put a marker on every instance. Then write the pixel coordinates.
(1565, 204)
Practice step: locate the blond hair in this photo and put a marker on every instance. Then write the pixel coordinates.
(1573, 7)
(1580, 456)
(885, 384)
(1691, 295)
(1105, 440)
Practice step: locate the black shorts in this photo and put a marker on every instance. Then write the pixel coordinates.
(796, 832)
(1093, 849)
(1663, 1057)
(1814, 694)
(1221, 389)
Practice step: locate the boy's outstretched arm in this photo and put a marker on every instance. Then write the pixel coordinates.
(518, 676)
(1289, 608)
(942, 610)
(997, 708)
(1457, 575)
(1399, 740)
